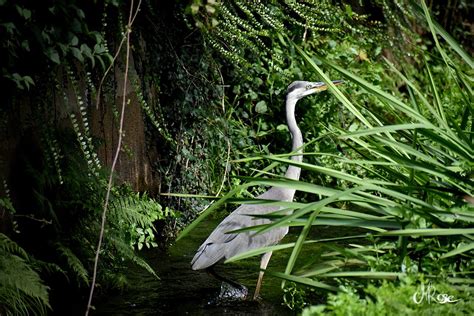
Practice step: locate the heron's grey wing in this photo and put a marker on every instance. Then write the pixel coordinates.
(221, 244)
(213, 248)
(249, 240)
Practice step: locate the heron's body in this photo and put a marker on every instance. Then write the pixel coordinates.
(220, 244)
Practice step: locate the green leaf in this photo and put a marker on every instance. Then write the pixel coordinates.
(80, 13)
(334, 89)
(430, 232)
(302, 280)
(53, 55)
(99, 49)
(454, 44)
(261, 107)
(25, 13)
(260, 251)
(210, 209)
(458, 250)
(364, 274)
(383, 129)
(28, 81)
(302, 237)
(74, 40)
(77, 53)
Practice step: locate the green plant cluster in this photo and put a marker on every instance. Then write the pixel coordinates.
(388, 154)
(408, 298)
(63, 215)
(243, 32)
(181, 94)
(253, 41)
(51, 213)
(54, 32)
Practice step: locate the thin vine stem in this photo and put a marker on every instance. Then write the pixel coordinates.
(99, 90)
(131, 19)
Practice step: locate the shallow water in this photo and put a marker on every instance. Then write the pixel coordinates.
(182, 291)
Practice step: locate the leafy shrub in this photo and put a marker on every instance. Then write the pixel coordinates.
(63, 214)
(401, 176)
(54, 33)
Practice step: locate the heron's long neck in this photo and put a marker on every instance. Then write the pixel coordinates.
(297, 139)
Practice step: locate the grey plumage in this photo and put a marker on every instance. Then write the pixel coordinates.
(221, 245)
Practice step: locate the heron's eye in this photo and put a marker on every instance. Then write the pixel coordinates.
(308, 87)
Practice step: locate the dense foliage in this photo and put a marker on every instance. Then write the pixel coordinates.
(391, 299)
(209, 79)
(393, 163)
(55, 184)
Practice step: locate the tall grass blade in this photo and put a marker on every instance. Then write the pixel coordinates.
(305, 281)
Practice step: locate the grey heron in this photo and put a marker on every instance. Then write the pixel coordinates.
(220, 244)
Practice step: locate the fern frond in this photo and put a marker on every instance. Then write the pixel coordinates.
(74, 263)
(9, 246)
(22, 291)
(136, 209)
(127, 252)
(142, 263)
(49, 268)
(6, 203)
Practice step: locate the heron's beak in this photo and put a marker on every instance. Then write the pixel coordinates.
(321, 86)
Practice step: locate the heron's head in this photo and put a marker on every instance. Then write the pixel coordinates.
(300, 89)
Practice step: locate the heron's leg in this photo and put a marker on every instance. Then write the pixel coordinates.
(263, 265)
